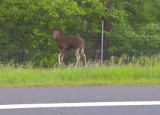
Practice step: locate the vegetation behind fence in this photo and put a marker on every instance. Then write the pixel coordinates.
(131, 28)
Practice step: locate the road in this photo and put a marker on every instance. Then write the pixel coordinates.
(81, 95)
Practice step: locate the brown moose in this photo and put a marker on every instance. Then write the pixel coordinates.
(67, 43)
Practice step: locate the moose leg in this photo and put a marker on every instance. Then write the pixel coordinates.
(77, 56)
(83, 55)
(61, 57)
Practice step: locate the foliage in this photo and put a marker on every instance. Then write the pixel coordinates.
(137, 32)
(26, 27)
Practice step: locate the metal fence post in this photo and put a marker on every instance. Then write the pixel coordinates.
(102, 42)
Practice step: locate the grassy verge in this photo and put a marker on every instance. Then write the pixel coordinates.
(130, 74)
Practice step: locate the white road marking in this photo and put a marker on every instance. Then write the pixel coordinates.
(83, 104)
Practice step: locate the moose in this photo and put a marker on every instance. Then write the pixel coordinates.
(67, 43)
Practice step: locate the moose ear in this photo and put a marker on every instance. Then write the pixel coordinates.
(55, 29)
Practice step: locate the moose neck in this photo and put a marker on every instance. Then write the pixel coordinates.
(58, 37)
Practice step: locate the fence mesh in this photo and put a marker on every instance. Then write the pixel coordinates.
(23, 47)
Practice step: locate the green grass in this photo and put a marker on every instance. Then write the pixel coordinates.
(129, 74)
(116, 71)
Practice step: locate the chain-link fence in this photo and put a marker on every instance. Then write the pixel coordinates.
(42, 50)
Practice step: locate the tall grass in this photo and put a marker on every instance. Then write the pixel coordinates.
(116, 71)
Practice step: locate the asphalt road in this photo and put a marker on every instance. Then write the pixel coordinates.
(57, 95)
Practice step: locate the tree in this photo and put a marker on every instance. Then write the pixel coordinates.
(131, 27)
(26, 27)
(129, 32)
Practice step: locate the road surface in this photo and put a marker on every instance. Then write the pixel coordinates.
(86, 100)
